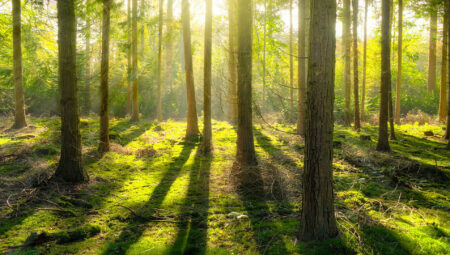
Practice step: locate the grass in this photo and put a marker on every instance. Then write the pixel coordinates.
(154, 193)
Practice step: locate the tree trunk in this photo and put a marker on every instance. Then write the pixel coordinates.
(70, 167)
(318, 221)
(142, 24)
(447, 133)
(87, 73)
(432, 52)
(19, 116)
(169, 45)
(291, 67)
(263, 104)
(192, 125)
(245, 146)
(135, 106)
(301, 67)
(129, 68)
(363, 92)
(443, 90)
(104, 72)
(399, 59)
(207, 132)
(383, 139)
(160, 31)
(390, 105)
(232, 65)
(355, 64)
(347, 53)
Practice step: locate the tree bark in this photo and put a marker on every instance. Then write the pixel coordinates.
(19, 116)
(70, 167)
(390, 105)
(263, 104)
(104, 72)
(443, 90)
(129, 68)
(169, 45)
(399, 59)
(245, 145)
(363, 92)
(87, 73)
(192, 125)
(347, 53)
(432, 52)
(232, 64)
(447, 133)
(355, 64)
(318, 221)
(160, 31)
(207, 130)
(383, 139)
(135, 106)
(291, 66)
(301, 67)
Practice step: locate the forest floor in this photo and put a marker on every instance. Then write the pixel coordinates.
(155, 194)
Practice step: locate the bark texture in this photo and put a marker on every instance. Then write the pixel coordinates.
(363, 92)
(291, 66)
(129, 68)
(399, 65)
(432, 52)
(447, 132)
(87, 73)
(207, 130)
(355, 64)
(134, 101)
(443, 90)
(301, 67)
(346, 39)
(232, 62)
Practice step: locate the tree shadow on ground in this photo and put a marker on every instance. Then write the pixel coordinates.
(124, 131)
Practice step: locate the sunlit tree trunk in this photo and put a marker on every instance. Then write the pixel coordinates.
(301, 67)
(87, 73)
(142, 25)
(432, 52)
(70, 167)
(207, 131)
(192, 125)
(135, 106)
(104, 73)
(447, 133)
(355, 64)
(160, 31)
(129, 68)
(363, 92)
(443, 90)
(346, 39)
(383, 139)
(169, 45)
(318, 221)
(263, 105)
(399, 59)
(390, 104)
(19, 116)
(232, 64)
(291, 67)
(245, 145)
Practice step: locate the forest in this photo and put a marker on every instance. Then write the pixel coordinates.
(225, 127)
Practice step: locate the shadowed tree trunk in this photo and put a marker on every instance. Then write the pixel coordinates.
(346, 39)
(160, 31)
(129, 78)
(301, 67)
(383, 139)
(390, 105)
(363, 92)
(432, 52)
(399, 59)
(104, 72)
(245, 146)
(87, 73)
(447, 133)
(19, 116)
(443, 90)
(192, 125)
(135, 106)
(207, 132)
(70, 167)
(291, 67)
(318, 221)
(232, 65)
(169, 45)
(355, 64)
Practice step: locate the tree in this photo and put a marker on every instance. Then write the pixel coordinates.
(134, 102)
(19, 116)
(399, 59)
(355, 64)
(443, 90)
(390, 105)
(301, 67)
(291, 67)
(363, 92)
(318, 221)
(383, 141)
(160, 27)
(70, 167)
(346, 39)
(129, 68)
(104, 73)
(447, 133)
(245, 153)
(87, 72)
(264, 57)
(207, 132)
(169, 24)
(232, 65)
(192, 125)
(432, 51)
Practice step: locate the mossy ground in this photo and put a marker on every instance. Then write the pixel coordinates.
(155, 194)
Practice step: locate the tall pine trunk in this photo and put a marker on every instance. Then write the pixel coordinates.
(318, 221)
(355, 65)
(263, 104)
(232, 63)
(363, 92)
(432, 52)
(390, 105)
(301, 67)
(383, 138)
(134, 71)
(399, 59)
(443, 90)
(192, 125)
(129, 68)
(347, 54)
(160, 31)
(291, 66)
(447, 133)
(70, 167)
(207, 130)
(19, 116)
(245, 145)
(104, 73)
(87, 73)
(169, 45)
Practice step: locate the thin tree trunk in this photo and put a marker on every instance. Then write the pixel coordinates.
(142, 23)
(19, 116)
(192, 125)
(390, 105)
(264, 57)
(129, 68)
(447, 133)
(383, 139)
(301, 67)
(291, 66)
(347, 69)
(432, 52)
(399, 59)
(169, 24)
(207, 132)
(104, 72)
(443, 90)
(70, 167)
(245, 145)
(87, 73)
(232, 64)
(318, 221)
(135, 106)
(363, 92)
(355, 64)
(160, 31)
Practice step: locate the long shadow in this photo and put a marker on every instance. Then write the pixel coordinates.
(122, 133)
(135, 228)
(274, 152)
(193, 228)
